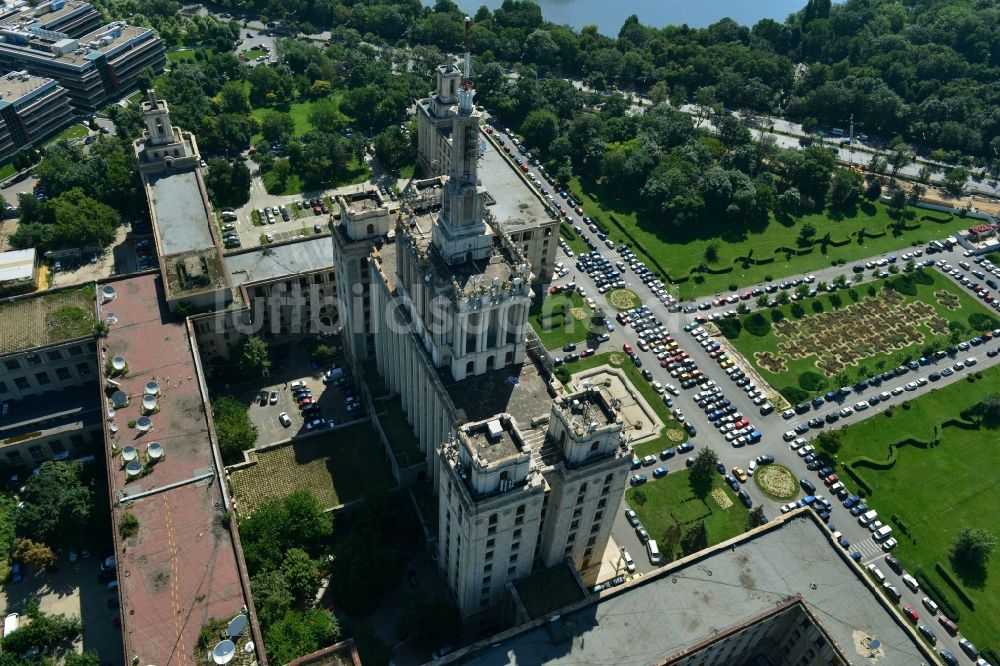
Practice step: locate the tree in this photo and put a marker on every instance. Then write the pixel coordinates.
(298, 633)
(712, 252)
(234, 98)
(703, 471)
(540, 128)
(372, 649)
(790, 201)
(233, 427)
(393, 148)
(277, 127)
(806, 232)
(756, 517)
(45, 631)
(271, 595)
(988, 410)
(971, 550)
(783, 297)
(829, 442)
(845, 188)
(670, 539)
(323, 354)
(902, 155)
(57, 504)
(128, 120)
(33, 554)
(71, 219)
(695, 538)
(762, 301)
(89, 658)
(301, 574)
(228, 183)
(298, 520)
(326, 116)
(254, 356)
(955, 180)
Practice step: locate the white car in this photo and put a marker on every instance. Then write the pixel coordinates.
(806, 450)
(789, 436)
(860, 406)
(751, 467)
(629, 562)
(910, 386)
(797, 444)
(791, 506)
(888, 544)
(658, 387)
(284, 419)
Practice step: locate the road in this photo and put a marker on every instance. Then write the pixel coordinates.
(772, 426)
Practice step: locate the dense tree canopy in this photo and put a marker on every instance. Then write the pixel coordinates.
(57, 503)
(233, 427)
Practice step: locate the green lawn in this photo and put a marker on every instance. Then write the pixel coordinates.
(669, 501)
(935, 490)
(679, 251)
(186, 55)
(827, 347)
(573, 239)
(299, 111)
(7, 171)
(560, 319)
(670, 424)
(356, 171)
(338, 466)
(253, 54)
(74, 131)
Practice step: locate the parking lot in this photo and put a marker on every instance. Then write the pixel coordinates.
(73, 590)
(293, 371)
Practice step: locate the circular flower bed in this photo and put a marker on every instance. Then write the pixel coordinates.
(623, 299)
(777, 482)
(675, 435)
(616, 359)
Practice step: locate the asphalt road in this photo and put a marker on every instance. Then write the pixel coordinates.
(773, 426)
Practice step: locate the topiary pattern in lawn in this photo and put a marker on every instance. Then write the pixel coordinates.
(623, 299)
(777, 482)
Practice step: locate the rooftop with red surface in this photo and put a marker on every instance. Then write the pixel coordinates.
(181, 570)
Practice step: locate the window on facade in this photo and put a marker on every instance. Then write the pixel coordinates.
(488, 568)
(605, 490)
(595, 528)
(490, 543)
(76, 350)
(512, 570)
(12, 365)
(575, 524)
(54, 355)
(486, 580)
(34, 359)
(489, 555)
(571, 538)
(56, 447)
(83, 368)
(36, 453)
(43, 378)
(593, 447)
(14, 458)
(598, 516)
(3, 387)
(492, 530)
(567, 550)
(591, 541)
(485, 590)
(577, 512)
(517, 534)
(22, 383)
(602, 503)
(515, 546)
(513, 558)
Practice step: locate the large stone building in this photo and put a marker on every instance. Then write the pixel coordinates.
(437, 304)
(32, 108)
(513, 204)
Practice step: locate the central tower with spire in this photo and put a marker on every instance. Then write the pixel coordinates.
(461, 232)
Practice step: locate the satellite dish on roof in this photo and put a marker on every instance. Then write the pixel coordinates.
(143, 424)
(223, 652)
(152, 388)
(129, 453)
(237, 625)
(119, 399)
(149, 403)
(133, 468)
(249, 647)
(154, 450)
(108, 293)
(118, 363)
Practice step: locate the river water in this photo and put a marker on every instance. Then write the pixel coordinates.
(609, 15)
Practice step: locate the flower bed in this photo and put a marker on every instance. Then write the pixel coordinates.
(777, 482)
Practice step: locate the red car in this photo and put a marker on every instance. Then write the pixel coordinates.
(665, 362)
(317, 210)
(948, 625)
(745, 296)
(830, 480)
(587, 352)
(305, 402)
(627, 348)
(911, 613)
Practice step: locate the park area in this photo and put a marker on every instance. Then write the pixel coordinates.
(337, 466)
(672, 434)
(734, 260)
(929, 470)
(666, 504)
(834, 340)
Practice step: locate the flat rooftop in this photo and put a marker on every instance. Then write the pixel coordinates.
(589, 406)
(16, 264)
(13, 12)
(280, 261)
(183, 224)
(181, 569)
(56, 410)
(516, 390)
(14, 86)
(515, 201)
(659, 615)
(46, 318)
(493, 440)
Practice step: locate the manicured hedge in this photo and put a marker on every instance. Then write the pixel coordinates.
(936, 594)
(980, 321)
(730, 327)
(794, 394)
(757, 324)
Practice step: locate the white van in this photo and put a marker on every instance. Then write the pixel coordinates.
(874, 570)
(867, 517)
(10, 624)
(892, 591)
(654, 552)
(911, 582)
(882, 533)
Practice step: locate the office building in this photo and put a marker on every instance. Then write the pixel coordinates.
(32, 109)
(95, 68)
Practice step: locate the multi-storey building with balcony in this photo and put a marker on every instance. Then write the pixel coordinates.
(32, 108)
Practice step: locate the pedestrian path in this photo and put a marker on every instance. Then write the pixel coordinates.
(869, 549)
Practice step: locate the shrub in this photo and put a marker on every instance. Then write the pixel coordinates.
(777, 316)
(920, 276)
(733, 286)
(811, 381)
(562, 374)
(904, 285)
(980, 321)
(794, 394)
(943, 602)
(730, 327)
(956, 326)
(798, 311)
(128, 525)
(757, 324)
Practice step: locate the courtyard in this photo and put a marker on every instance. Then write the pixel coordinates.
(923, 463)
(560, 319)
(834, 340)
(337, 466)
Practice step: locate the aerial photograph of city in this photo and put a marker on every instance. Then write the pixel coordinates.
(499, 332)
